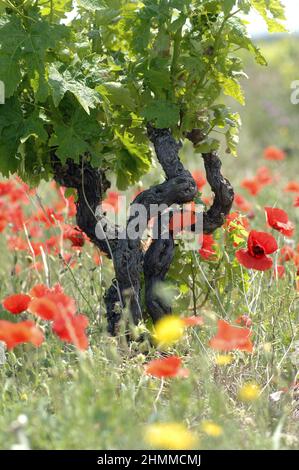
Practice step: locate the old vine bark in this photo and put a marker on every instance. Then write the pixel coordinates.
(126, 253)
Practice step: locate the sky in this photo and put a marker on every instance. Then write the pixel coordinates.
(257, 25)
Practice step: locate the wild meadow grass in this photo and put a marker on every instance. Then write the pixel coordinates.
(103, 399)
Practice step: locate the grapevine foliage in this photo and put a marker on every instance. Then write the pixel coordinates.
(85, 77)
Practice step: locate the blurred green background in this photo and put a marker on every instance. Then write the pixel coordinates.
(269, 117)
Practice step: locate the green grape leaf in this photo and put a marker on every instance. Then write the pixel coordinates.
(33, 126)
(60, 83)
(57, 9)
(75, 138)
(105, 11)
(117, 94)
(11, 39)
(10, 74)
(163, 114)
(11, 127)
(273, 14)
(24, 50)
(69, 143)
(158, 80)
(132, 160)
(232, 134)
(232, 88)
(238, 35)
(228, 6)
(207, 145)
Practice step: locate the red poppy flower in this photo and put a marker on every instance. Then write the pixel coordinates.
(259, 245)
(229, 338)
(207, 200)
(296, 262)
(235, 220)
(279, 271)
(35, 231)
(112, 200)
(56, 289)
(17, 218)
(23, 332)
(17, 270)
(44, 308)
(48, 217)
(37, 247)
(5, 187)
(292, 187)
(75, 235)
(20, 190)
(67, 202)
(17, 244)
(296, 202)
(279, 220)
(61, 204)
(193, 321)
(41, 290)
(97, 258)
(53, 305)
(242, 204)
(199, 179)
(72, 209)
(274, 153)
(263, 176)
(53, 244)
(68, 259)
(3, 219)
(71, 329)
(251, 185)
(244, 320)
(38, 266)
(207, 250)
(16, 303)
(167, 367)
(48, 302)
(182, 220)
(287, 254)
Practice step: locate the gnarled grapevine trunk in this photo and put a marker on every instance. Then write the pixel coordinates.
(159, 256)
(126, 253)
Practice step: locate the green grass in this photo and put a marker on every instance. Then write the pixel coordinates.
(104, 400)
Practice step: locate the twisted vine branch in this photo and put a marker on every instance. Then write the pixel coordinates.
(159, 256)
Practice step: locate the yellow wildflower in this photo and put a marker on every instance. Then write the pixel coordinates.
(223, 359)
(173, 436)
(168, 330)
(249, 392)
(211, 429)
